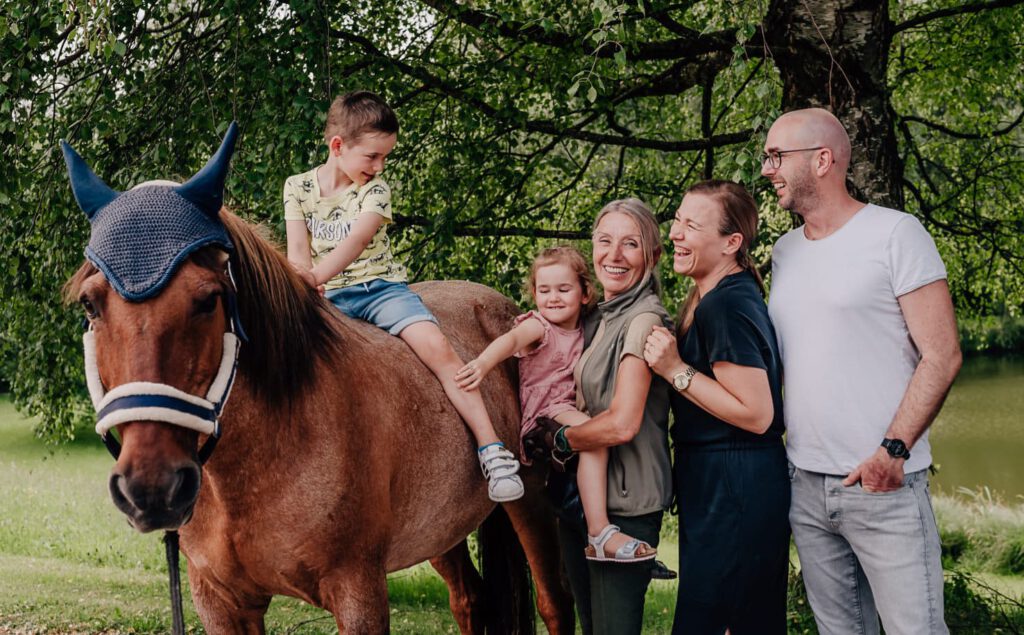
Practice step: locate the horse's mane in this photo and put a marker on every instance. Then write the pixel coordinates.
(288, 324)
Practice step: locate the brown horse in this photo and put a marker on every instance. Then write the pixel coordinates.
(340, 458)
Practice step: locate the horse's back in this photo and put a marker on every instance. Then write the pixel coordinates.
(384, 437)
(437, 491)
(470, 314)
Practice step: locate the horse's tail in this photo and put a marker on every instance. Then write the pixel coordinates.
(506, 576)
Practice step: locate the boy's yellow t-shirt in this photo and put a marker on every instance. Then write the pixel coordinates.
(329, 221)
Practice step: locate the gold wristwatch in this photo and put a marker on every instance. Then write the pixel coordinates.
(681, 380)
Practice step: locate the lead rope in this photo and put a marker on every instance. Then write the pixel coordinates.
(177, 613)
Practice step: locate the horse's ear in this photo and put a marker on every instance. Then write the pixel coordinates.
(90, 191)
(206, 188)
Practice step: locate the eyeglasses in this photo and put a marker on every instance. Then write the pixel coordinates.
(774, 157)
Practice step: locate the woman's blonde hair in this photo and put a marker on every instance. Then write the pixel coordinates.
(738, 216)
(650, 234)
(571, 257)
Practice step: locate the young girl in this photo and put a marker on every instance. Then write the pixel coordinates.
(548, 343)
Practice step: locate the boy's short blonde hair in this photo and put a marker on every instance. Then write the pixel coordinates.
(571, 257)
(355, 114)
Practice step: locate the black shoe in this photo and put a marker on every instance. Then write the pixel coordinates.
(661, 572)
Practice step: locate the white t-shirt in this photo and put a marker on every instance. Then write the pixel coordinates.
(846, 351)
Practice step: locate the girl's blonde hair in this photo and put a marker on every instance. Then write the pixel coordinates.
(572, 258)
(738, 216)
(650, 234)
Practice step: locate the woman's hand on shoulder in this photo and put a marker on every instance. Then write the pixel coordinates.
(661, 353)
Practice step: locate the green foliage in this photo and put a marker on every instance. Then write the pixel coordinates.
(981, 533)
(971, 607)
(974, 607)
(799, 617)
(992, 334)
(961, 139)
(1012, 561)
(519, 121)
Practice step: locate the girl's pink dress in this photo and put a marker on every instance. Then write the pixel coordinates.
(546, 386)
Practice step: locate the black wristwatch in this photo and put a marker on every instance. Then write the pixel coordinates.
(896, 448)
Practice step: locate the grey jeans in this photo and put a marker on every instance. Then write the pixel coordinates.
(868, 554)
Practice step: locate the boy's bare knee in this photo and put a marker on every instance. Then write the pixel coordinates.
(430, 344)
(444, 354)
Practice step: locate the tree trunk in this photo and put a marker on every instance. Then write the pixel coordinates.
(833, 54)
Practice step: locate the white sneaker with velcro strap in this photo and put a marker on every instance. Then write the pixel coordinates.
(499, 466)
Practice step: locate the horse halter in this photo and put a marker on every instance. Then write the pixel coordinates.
(162, 403)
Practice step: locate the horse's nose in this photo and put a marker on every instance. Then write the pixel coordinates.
(162, 501)
(185, 490)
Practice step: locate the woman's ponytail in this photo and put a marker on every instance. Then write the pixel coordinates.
(746, 261)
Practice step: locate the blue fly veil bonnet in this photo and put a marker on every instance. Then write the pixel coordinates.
(140, 237)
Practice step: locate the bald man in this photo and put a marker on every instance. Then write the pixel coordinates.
(869, 345)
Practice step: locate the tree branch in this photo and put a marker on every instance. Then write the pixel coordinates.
(707, 94)
(912, 146)
(692, 44)
(613, 187)
(662, 17)
(402, 221)
(677, 78)
(521, 121)
(976, 7)
(967, 135)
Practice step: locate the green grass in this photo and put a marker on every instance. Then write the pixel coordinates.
(57, 595)
(982, 533)
(69, 563)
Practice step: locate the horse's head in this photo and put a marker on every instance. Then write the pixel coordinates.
(174, 339)
(159, 351)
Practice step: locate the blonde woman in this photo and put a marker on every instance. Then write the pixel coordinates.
(629, 416)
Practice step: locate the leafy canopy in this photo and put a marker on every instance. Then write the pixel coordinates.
(520, 119)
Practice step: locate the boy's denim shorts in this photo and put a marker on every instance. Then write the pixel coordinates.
(391, 306)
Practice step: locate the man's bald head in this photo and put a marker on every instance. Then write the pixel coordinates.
(812, 127)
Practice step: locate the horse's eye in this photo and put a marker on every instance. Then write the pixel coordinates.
(89, 307)
(207, 304)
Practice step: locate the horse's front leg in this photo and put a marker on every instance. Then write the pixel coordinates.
(227, 611)
(357, 595)
(465, 588)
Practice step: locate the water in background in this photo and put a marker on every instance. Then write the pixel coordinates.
(978, 438)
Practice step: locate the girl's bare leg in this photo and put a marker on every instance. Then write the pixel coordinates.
(592, 480)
